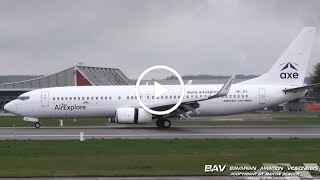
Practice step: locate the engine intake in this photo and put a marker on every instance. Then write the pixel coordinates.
(132, 116)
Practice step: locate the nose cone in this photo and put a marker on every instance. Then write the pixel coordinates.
(10, 107)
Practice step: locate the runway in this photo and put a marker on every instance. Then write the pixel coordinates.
(150, 132)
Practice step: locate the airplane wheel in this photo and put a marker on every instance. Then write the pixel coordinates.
(159, 123)
(166, 123)
(163, 123)
(37, 125)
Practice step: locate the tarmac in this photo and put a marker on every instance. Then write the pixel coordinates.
(151, 132)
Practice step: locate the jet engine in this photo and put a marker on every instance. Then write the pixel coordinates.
(131, 116)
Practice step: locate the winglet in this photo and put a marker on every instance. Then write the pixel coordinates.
(189, 82)
(225, 88)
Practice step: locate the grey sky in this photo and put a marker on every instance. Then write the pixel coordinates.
(193, 37)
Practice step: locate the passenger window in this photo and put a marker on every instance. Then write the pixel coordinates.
(187, 97)
(58, 98)
(110, 97)
(131, 97)
(54, 98)
(101, 98)
(88, 98)
(238, 96)
(247, 96)
(106, 98)
(174, 97)
(62, 98)
(242, 96)
(147, 97)
(152, 97)
(97, 98)
(75, 98)
(161, 97)
(128, 97)
(166, 97)
(234, 96)
(170, 97)
(119, 97)
(91, 98)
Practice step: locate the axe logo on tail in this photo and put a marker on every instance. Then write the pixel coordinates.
(289, 70)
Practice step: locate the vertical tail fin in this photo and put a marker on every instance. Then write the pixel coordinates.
(291, 67)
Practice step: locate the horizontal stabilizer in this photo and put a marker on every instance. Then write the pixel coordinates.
(302, 88)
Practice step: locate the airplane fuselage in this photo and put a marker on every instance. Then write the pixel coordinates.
(103, 101)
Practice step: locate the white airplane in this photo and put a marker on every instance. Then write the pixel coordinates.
(282, 83)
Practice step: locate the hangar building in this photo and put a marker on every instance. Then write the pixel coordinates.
(74, 76)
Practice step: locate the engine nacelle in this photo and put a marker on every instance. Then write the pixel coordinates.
(132, 116)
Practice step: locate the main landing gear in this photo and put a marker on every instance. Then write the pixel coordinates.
(163, 123)
(37, 125)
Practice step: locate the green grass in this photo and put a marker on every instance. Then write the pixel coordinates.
(146, 157)
(17, 121)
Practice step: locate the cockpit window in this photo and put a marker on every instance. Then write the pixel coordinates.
(23, 98)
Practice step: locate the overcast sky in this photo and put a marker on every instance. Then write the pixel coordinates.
(194, 37)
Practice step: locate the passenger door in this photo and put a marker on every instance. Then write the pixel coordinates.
(262, 96)
(44, 99)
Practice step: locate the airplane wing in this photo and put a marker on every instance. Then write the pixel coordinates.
(192, 105)
(302, 88)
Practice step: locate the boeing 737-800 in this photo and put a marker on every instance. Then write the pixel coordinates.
(282, 83)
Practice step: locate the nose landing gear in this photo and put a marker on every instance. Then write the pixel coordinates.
(37, 125)
(163, 123)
